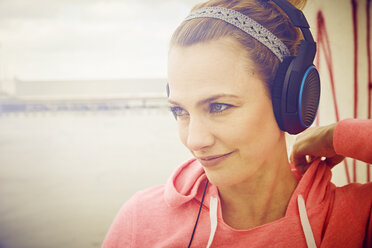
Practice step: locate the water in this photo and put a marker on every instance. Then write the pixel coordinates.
(64, 176)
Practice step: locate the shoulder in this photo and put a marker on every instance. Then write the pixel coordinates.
(355, 199)
(123, 229)
(356, 191)
(145, 198)
(348, 219)
(150, 193)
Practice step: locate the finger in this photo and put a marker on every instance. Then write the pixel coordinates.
(297, 157)
(299, 161)
(310, 158)
(332, 161)
(302, 169)
(303, 166)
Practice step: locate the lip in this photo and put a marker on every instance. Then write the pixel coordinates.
(211, 161)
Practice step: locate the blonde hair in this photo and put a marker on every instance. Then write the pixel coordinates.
(266, 13)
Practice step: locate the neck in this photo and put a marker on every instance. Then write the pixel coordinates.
(263, 198)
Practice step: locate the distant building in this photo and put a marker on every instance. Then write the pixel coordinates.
(84, 95)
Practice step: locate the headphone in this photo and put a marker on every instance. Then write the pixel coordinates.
(295, 91)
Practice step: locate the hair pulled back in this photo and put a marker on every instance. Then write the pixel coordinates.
(267, 13)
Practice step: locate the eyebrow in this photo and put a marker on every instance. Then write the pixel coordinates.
(209, 99)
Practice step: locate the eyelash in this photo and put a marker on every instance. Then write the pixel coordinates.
(174, 111)
(224, 107)
(212, 109)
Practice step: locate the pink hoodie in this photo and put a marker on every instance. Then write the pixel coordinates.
(164, 216)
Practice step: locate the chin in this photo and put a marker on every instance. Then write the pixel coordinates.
(224, 179)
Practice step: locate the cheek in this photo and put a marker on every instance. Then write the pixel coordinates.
(252, 130)
(243, 126)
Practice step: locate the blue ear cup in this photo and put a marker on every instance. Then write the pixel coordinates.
(309, 96)
(295, 96)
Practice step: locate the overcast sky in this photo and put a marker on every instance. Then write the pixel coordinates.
(87, 39)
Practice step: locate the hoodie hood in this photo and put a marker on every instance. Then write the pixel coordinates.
(188, 181)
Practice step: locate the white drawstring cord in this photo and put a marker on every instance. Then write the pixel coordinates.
(309, 236)
(213, 203)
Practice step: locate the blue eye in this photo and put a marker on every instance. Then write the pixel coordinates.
(178, 112)
(218, 107)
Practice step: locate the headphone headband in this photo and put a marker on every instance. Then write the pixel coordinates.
(297, 18)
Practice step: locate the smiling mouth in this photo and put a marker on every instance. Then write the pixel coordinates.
(209, 158)
(212, 161)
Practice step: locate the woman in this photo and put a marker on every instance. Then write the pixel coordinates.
(239, 190)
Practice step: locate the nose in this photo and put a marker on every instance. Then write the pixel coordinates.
(199, 135)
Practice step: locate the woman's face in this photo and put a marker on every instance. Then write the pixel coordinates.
(224, 115)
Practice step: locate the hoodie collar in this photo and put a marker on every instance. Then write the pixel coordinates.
(188, 182)
(314, 186)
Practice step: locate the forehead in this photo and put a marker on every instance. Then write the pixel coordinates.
(214, 67)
